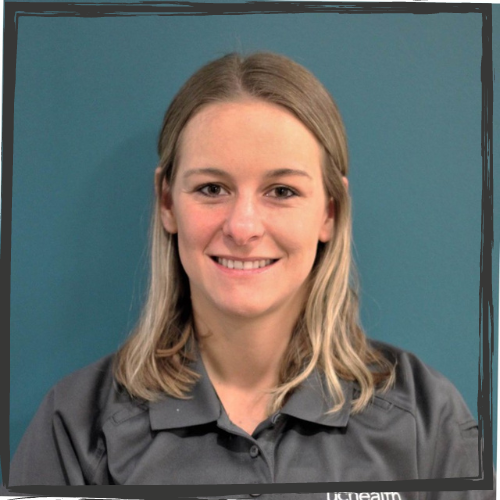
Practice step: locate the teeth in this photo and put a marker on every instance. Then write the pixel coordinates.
(245, 265)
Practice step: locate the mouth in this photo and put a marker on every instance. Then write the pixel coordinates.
(244, 265)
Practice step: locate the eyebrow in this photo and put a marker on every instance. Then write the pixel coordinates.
(278, 172)
(282, 172)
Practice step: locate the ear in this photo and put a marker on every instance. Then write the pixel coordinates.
(168, 218)
(326, 232)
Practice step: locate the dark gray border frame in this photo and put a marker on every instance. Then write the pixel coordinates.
(14, 10)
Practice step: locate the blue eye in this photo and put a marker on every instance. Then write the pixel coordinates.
(282, 192)
(212, 190)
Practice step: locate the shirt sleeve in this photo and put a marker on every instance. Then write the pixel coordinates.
(46, 454)
(457, 455)
(448, 440)
(64, 443)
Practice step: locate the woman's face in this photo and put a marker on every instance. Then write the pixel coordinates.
(249, 206)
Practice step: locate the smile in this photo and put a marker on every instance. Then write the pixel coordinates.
(245, 265)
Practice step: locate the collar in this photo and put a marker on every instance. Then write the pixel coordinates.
(202, 407)
(310, 402)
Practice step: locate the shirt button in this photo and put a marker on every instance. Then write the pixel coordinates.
(254, 451)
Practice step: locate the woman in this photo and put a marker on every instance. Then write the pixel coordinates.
(249, 364)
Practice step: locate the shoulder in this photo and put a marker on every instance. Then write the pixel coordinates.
(65, 442)
(420, 389)
(94, 382)
(80, 405)
(431, 415)
(90, 393)
(96, 375)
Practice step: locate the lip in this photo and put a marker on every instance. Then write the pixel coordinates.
(242, 259)
(242, 272)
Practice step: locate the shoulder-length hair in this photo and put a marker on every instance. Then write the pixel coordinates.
(156, 358)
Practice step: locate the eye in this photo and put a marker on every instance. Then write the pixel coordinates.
(282, 192)
(212, 190)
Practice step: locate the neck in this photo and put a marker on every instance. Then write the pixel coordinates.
(243, 353)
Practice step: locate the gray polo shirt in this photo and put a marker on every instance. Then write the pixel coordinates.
(87, 431)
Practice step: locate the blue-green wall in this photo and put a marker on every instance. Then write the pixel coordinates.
(90, 96)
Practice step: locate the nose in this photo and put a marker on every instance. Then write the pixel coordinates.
(243, 223)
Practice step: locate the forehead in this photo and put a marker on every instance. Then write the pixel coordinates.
(248, 132)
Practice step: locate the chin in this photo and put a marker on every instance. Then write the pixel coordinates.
(244, 310)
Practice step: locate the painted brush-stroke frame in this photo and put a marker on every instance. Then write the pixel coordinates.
(14, 10)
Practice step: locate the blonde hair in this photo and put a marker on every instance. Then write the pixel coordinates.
(328, 336)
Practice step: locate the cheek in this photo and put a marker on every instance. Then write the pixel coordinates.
(301, 233)
(299, 244)
(196, 229)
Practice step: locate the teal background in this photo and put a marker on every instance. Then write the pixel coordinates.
(90, 97)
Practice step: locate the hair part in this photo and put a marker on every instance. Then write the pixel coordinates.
(156, 358)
